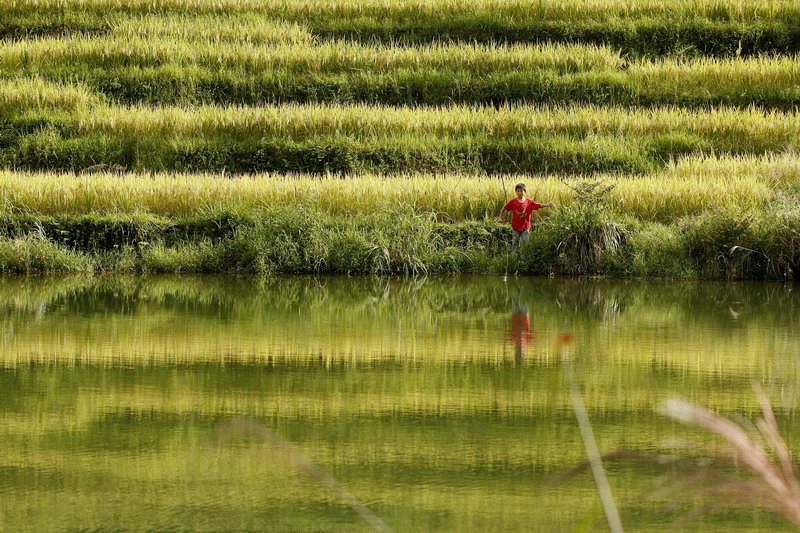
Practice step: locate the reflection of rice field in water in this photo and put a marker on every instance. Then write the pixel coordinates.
(408, 393)
(443, 321)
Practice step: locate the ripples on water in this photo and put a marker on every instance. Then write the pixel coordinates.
(441, 404)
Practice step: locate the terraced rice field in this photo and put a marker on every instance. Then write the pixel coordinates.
(462, 98)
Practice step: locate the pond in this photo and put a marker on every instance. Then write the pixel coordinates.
(319, 404)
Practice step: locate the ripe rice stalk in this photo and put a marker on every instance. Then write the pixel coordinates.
(398, 10)
(204, 46)
(693, 186)
(19, 94)
(727, 126)
(246, 28)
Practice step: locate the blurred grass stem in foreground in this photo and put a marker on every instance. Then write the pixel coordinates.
(290, 455)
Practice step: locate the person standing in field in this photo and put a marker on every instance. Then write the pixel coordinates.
(521, 210)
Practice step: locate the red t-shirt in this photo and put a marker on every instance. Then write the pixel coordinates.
(521, 213)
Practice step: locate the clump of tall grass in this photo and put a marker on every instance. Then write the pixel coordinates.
(300, 239)
(176, 259)
(655, 251)
(580, 237)
(33, 254)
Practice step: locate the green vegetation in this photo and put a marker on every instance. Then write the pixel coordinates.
(383, 137)
(711, 27)
(207, 68)
(331, 138)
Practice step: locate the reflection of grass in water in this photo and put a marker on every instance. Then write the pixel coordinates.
(353, 323)
(290, 455)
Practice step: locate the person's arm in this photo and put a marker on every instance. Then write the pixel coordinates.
(503, 210)
(549, 204)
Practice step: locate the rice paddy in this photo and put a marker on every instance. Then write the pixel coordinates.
(744, 183)
(646, 27)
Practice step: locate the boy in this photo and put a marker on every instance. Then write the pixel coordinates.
(521, 208)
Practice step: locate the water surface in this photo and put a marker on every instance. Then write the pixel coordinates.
(200, 403)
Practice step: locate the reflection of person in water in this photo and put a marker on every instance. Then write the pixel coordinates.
(520, 333)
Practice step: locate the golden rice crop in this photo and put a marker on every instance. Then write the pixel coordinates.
(714, 75)
(703, 78)
(35, 93)
(301, 121)
(128, 50)
(401, 10)
(246, 27)
(691, 186)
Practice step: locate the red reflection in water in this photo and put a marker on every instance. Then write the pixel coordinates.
(520, 334)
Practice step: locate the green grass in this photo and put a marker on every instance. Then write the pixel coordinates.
(359, 138)
(713, 27)
(688, 188)
(130, 69)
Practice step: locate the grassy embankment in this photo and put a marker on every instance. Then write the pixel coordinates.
(239, 88)
(733, 218)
